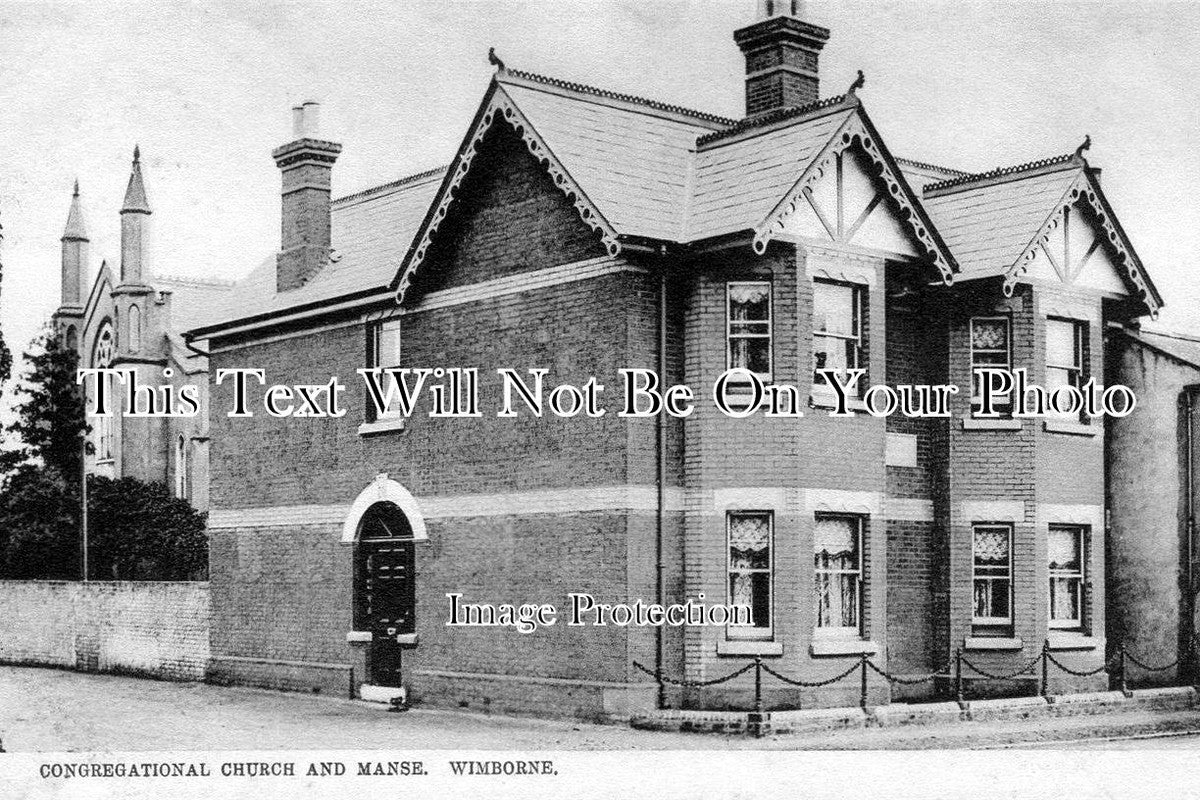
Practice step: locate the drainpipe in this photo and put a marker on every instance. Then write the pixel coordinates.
(1189, 401)
(661, 457)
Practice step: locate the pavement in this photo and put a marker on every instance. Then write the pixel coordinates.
(43, 710)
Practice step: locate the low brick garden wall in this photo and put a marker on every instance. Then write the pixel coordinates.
(156, 629)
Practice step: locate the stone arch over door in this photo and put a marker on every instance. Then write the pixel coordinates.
(383, 489)
(384, 524)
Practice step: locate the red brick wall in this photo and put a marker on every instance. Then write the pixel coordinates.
(284, 594)
(814, 452)
(510, 218)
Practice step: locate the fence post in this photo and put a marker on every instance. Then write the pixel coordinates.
(1124, 686)
(1192, 668)
(862, 700)
(958, 680)
(1046, 668)
(758, 703)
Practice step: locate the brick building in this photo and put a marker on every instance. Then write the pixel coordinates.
(583, 231)
(1154, 486)
(132, 320)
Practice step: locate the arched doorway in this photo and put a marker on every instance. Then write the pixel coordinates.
(384, 524)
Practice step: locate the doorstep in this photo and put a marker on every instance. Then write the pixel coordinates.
(381, 694)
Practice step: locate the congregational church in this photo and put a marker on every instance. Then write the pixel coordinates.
(132, 319)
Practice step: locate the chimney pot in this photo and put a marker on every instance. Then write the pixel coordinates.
(780, 8)
(298, 122)
(312, 119)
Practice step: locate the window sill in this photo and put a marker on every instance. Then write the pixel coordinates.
(746, 647)
(1072, 428)
(1074, 640)
(358, 637)
(381, 426)
(971, 423)
(992, 643)
(819, 399)
(842, 647)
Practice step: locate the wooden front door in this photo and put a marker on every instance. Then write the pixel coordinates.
(386, 592)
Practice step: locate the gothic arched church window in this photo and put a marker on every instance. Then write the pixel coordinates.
(102, 356)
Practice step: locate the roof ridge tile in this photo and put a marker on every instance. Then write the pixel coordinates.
(1000, 172)
(759, 120)
(912, 162)
(583, 88)
(407, 179)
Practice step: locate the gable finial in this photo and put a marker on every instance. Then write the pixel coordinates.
(1087, 145)
(859, 82)
(495, 59)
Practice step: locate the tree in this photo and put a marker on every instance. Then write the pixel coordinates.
(39, 526)
(39, 503)
(50, 425)
(140, 531)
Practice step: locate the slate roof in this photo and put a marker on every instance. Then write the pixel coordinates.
(988, 220)
(664, 172)
(371, 231)
(738, 181)
(194, 301)
(632, 159)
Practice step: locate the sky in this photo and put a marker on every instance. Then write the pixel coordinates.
(206, 89)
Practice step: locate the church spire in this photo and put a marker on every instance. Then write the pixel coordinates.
(75, 230)
(135, 220)
(135, 193)
(74, 255)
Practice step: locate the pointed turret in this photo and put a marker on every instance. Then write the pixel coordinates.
(135, 219)
(75, 230)
(74, 255)
(135, 193)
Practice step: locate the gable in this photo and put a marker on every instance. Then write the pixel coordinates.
(509, 217)
(848, 205)
(1081, 244)
(1073, 253)
(856, 192)
(497, 108)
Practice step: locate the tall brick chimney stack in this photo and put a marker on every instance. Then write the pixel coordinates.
(781, 52)
(305, 164)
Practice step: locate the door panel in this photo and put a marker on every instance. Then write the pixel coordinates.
(386, 604)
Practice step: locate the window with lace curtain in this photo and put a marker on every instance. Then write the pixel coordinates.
(837, 564)
(1066, 556)
(991, 346)
(748, 326)
(750, 565)
(992, 578)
